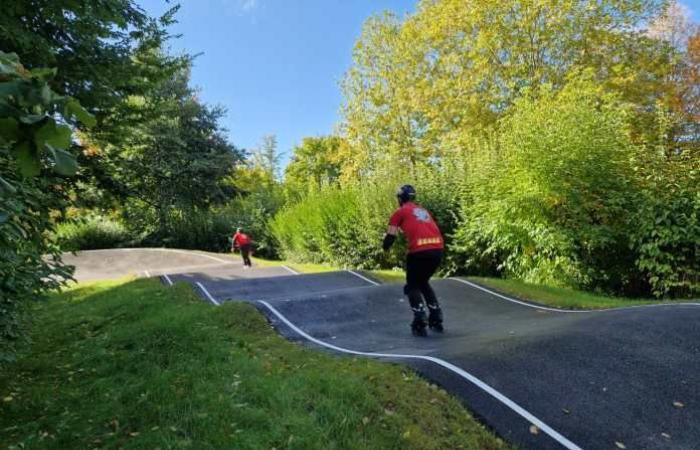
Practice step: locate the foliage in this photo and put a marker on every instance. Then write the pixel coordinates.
(261, 168)
(421, 88)
(344, 225)
(105, 52)
(667, 224)
(315, 163)
(91, 232)
(176, 163)
(551, 203)
(35, 142)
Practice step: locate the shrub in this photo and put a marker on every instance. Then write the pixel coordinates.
(667, 232)
(210, 229)
(91, 232)
(344, 225)
(550, 200)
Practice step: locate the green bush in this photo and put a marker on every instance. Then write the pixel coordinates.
(344, 225)
(551, 200)
(35, 152)
(92, 232)
(208, 229)
(667, 235)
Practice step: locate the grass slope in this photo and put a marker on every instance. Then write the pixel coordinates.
(135, 365)
(557, 296)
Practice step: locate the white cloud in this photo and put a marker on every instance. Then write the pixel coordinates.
(248, 5)
(239, 7)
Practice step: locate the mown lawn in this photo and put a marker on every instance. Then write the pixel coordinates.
(132, 364)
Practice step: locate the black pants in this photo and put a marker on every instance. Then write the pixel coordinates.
(420, 266)
(245, 253)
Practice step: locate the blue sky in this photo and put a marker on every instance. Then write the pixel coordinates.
(275, 64)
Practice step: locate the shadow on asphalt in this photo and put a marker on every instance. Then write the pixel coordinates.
(624, 376)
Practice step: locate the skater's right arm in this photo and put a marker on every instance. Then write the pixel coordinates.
(389, 238)
(393, 230)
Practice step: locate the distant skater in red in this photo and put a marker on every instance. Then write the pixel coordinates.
(243, 242)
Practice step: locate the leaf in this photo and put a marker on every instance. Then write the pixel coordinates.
(10, 88)
(44, 74)
(27, 161)
(74, 109)
(6, 186)
(31, 119)
(57, 136)
(9, 130)
(65, 163)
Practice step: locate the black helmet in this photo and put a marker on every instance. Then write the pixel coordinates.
(406, 193)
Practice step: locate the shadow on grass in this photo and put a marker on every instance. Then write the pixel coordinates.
(133, 364)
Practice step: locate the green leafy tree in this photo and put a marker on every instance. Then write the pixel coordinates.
(177, 161)
(108, 56)
(316, 162)
(422, 88)
(552, 202)
(260, 170)
(36, 150)
(103, 51)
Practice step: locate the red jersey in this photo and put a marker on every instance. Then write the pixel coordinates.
(422, 233)
(240, 239)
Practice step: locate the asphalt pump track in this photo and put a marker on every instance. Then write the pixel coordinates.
(540, 377)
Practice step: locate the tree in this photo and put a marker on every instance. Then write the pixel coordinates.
(93, 46)
(314, 163)
(178, 159)
(267, 158)
(421, 88)
(36, 151)
(675, 28)
(552, 200)
(107, 54)
(261, 170)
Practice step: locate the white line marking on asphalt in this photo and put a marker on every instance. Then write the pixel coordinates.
(291, 270)
(545, 308)
(167, 278)
(211, 299)
(363, 277)
(459, 371)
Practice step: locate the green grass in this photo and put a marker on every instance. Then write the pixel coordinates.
(557, 296)
(385, 276)
(132, 364)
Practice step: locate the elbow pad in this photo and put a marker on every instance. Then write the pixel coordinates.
(388, 241)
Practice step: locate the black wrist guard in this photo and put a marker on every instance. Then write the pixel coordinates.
(388, 241)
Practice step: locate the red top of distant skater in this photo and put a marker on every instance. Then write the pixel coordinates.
(240, 239)
(422, 233)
